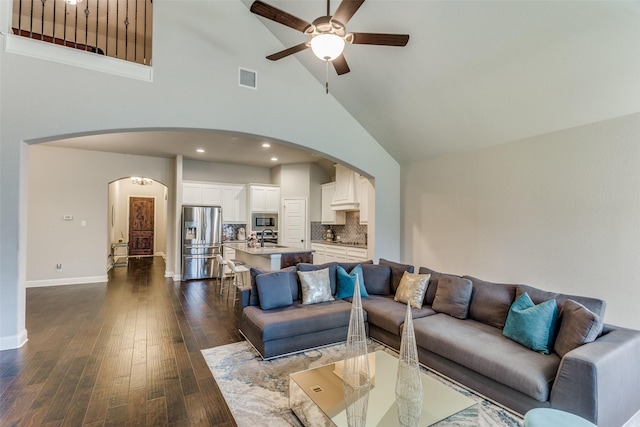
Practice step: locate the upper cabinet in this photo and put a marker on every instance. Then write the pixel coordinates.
(202, 194)
(263, 198)
(234, 204)
(366, 193)
(329, 216)
(231, 197)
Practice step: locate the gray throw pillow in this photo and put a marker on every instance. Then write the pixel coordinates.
(490, 302)
(578, 326)
(316, 286)
(275, 289)
(397, 270)
(411, 289)
(453, 296)
(377, 279)
(254, 296)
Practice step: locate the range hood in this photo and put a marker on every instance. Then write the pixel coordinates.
(345, 197)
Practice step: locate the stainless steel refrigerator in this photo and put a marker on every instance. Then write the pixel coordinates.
(201, 241)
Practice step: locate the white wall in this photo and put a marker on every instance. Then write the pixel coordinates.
(195, 69)
(559, 211)
(63, 182)
(196, 170)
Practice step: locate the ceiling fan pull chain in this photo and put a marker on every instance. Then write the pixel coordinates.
(326, 80)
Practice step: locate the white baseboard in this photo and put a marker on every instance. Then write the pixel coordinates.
(169, 274)
(13, 341)
(66, 281)
(177, 277)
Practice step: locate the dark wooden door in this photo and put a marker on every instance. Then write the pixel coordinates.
(141, 222)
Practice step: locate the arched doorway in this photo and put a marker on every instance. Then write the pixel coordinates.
(137, 219)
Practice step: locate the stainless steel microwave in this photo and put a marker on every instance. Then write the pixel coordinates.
(260, 221)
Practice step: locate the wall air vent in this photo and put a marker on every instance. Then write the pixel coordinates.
(247, 78)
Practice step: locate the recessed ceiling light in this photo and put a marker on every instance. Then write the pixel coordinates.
(274, 159)
(266, 145)
(200, 150)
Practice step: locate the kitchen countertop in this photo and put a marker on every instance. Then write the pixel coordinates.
(267, 250)
(344, 244)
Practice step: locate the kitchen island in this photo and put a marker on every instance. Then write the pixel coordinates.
(270, 257)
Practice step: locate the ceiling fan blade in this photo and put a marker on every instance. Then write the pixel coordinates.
(294, 49)
(379, 39)
(340, 64)
(345, 10)
(279, 16)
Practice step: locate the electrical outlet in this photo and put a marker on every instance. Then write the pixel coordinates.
(59, 266)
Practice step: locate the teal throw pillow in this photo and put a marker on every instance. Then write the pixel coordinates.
(347, 282)
(533, 326)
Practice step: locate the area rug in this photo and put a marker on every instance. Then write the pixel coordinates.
(257, 391)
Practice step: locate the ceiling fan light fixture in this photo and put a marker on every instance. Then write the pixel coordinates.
(327, 46)
(73, 1)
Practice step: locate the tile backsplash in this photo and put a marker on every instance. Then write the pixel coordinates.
(352, 231)
(230, 231)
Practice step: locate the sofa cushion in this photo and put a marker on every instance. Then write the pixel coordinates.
(315, 286)
(483, 349)
(412, 288)
(578, 325)
(377, 279)
(595, 305)
(254, 296)
(298, 319)
(385, 313)
(347, 282)
(532, 325)
(490, 302)
(397, 270)
(453, 296)
(332, 272)
(274, 289)
(348, 266)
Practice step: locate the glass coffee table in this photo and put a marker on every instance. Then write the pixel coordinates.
(315, 396)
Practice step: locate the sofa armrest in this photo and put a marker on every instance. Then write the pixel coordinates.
(599, 380)
(245, 297)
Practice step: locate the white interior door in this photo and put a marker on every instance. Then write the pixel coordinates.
(295, 223)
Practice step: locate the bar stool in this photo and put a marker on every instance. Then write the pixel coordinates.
(238, 271)
(224, 272)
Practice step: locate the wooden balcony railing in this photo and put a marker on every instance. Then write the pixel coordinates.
(116, 28)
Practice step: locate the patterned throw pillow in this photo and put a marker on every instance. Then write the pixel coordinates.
(412, 288)
(316, 286)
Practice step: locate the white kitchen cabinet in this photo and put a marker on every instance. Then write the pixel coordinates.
(228, 253)
(264, 198)
(234, 204)
(366, 195)
(201, 193)
(318, 253)
(191, 194)
(211, 195)
(329, 216)
(335, 253)
(356, 254)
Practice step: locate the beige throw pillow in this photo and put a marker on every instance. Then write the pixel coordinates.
(316, 286)
(412, 288)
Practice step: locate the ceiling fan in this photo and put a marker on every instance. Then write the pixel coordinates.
(328, 33)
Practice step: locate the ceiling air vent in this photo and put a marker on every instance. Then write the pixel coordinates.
(248, 78)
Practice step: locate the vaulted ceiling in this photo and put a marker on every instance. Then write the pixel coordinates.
(476, 73)
(479, 73)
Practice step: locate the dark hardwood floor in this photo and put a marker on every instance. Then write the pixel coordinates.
(122, 353)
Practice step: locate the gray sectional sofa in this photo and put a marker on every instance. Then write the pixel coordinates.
(465, 340)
